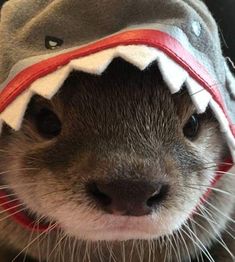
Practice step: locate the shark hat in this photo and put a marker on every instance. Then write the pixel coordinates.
(43, 41)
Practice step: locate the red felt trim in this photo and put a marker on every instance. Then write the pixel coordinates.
(153, 38)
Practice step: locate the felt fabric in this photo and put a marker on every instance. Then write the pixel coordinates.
(26, 23)
(223, 11)
(42, 41)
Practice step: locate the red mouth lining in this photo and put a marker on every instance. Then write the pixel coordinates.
(13, 206)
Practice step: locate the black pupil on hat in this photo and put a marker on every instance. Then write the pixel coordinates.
(52, 42)
(48, 123)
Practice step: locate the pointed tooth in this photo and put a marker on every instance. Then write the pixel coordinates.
(173, 75)
(49, 85)
(140, 56)
(95, 63)
(14, 113)
(199, 95)
(224, 125)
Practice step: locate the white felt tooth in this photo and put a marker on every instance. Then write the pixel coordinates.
(95, 63)
(14, 113)
(140, 56)
(48, 86)
(173, 75)
(219, 114)
(224, 126)
(199, 95)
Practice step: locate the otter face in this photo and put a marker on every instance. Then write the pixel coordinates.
(114, 157)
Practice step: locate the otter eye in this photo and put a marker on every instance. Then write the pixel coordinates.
(48, 124)
(191, 128)
(52, 42)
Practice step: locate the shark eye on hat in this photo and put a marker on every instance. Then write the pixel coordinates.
(197, 28)
(52, 42)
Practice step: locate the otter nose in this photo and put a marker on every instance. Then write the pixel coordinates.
(129, 198)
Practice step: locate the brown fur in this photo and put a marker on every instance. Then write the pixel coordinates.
(124, 120)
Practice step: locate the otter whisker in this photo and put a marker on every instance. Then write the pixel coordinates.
(38, 242)
(133, 246)
(8, 195)
(211, 188)
(216, 209)
(166, 252)
(170, 249)
(33, 241)
(10, 201)
(223, 244)
(226, 173)
(176, 248)
(199, 243)
(86, 254)
(213, 165)
(99, 251)
(112, 256)
(213, 220)
(74, 245)
(217, 236)
(59, 247)
(14, 213)
(194, 229)
(151, 249)
(29, 240)
(179, 233)
(54, 249)
(11, 208)
(203, 254)
(66, 244)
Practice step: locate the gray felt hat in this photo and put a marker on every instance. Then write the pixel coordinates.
(42, 41)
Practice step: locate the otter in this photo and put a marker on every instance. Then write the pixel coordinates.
(116, 168)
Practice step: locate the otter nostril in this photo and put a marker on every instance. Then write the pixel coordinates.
(128, 198)
(98, 195)
(158, 196)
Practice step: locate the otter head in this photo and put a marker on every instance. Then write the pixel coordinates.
(113, 157)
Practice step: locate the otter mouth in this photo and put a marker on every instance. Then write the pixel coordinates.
(24, 216)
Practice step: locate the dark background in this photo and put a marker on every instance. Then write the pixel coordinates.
(224, 12)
